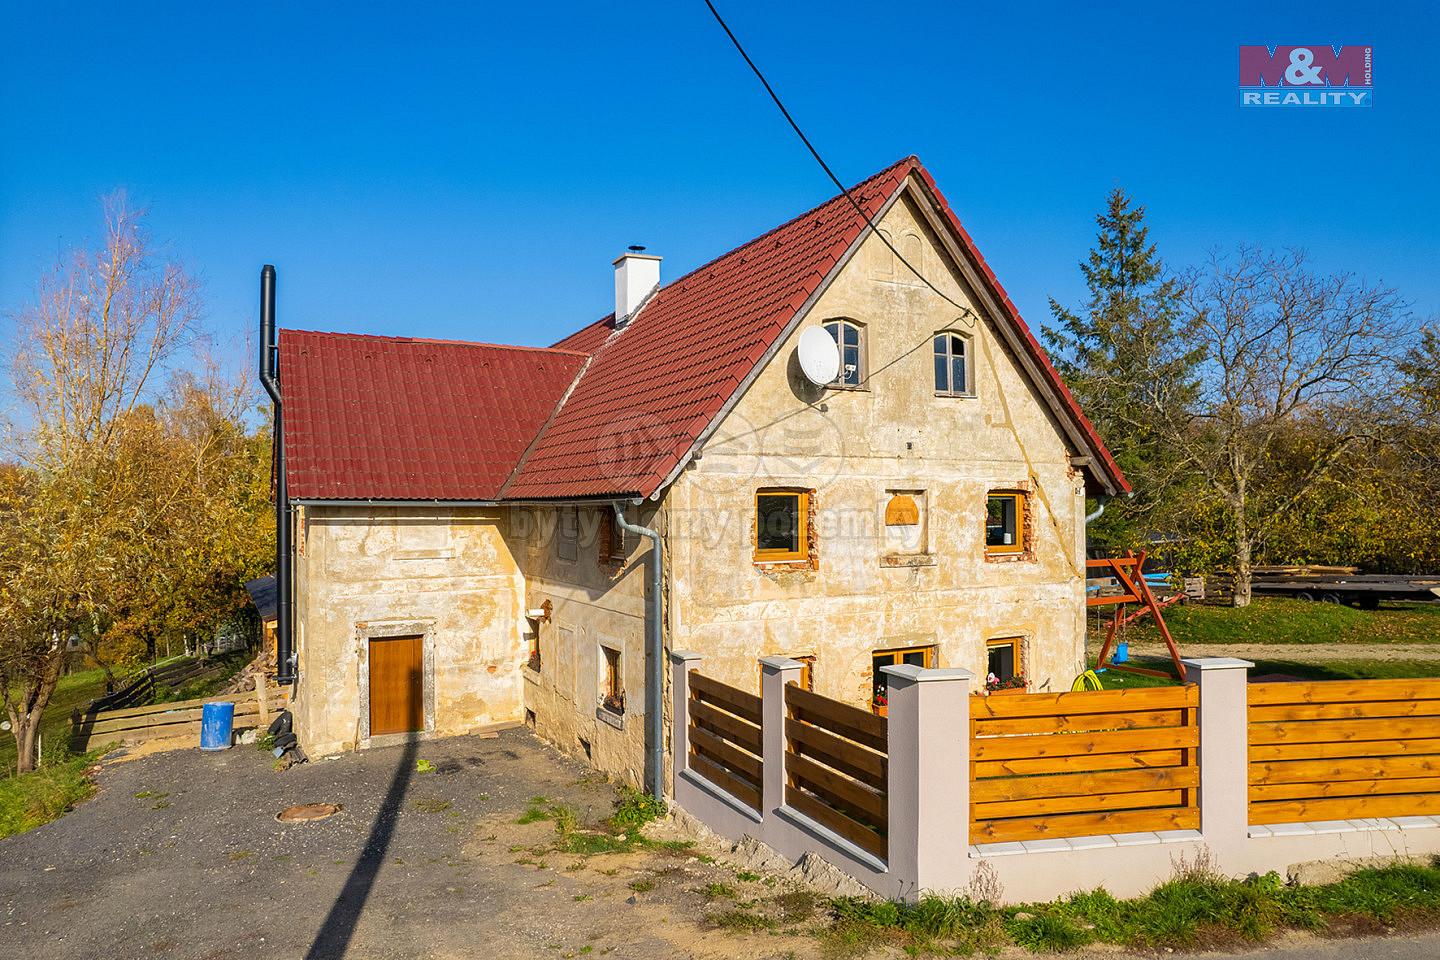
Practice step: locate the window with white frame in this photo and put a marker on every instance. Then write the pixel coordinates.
(952, 365)
(850, 338)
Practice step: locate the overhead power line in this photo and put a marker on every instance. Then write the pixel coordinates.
(826, 167)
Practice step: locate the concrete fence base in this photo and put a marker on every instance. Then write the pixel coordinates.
(929, 802)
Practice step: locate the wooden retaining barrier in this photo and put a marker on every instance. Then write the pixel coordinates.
(165, 720)
(837, 767)
(1341, 750)
(1085, 763)
(725, 738)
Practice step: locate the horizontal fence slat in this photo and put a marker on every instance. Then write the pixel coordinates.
(1345, 768)
(106, 722)
(1350, 710)
(856, 833)
(862, 726)
(849, 758)
(1341, 691)
(838, 791)
(1325, 731)
(728, 698)
(175, 705)
(1140, 760)
(1263, 792)
(726, 725)
(1261, 752)
(732, 785)
(1085, 825)
(1080, 744)
(1084, 701)
(1345, 808)
(1084, 722)
(1083, 784)
(1148, 799)
(726, 755)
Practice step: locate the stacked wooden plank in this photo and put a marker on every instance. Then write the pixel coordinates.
(725, 738)
(162, 720)
(1341, 749)
(1079, 764)
(837, 767)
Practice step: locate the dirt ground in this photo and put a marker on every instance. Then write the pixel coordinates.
(179, 855)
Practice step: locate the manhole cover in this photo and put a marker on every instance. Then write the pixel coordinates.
(307, 811)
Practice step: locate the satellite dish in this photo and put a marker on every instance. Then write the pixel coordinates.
(819, 356)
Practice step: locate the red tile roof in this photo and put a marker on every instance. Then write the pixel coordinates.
(447, 420)
(397, 419)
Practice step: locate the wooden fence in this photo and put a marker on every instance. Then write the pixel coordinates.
(837, 767)
(1078, 764)
(1339, 750)
(179, 719)
(725, 744)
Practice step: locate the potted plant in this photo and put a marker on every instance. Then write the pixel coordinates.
(880, 704)
(534, 662)
(615, 702)
(994, 685)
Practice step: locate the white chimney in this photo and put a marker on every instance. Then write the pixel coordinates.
(636, 277)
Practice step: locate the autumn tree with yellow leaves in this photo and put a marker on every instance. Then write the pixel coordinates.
(137, 500)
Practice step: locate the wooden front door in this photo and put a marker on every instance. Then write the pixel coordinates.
(397, 685)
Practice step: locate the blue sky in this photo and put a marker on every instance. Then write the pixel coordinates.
(469, 170)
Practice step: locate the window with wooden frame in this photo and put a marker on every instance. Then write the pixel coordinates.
(782, 521)
(567, 534)
(612, 691)
(1005, 522)
(952, 365)
(850, 338)
(915, 656)
(1004, 664)
(610, 540)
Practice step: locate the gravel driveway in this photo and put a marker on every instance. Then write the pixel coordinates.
(179, 855)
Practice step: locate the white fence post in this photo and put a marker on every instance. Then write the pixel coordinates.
(928, 732)
(681, 663)
(1224, 752)
(775, 673)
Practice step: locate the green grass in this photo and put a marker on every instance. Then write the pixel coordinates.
(1277, 620)
(45, 794)
(1199, 911)
(79, 687)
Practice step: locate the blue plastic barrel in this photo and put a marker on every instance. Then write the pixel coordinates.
(216, 723)
(1121, 654)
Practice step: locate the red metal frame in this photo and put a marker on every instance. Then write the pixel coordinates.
(1129, 571)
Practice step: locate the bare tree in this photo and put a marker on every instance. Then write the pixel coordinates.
(91, 353)
(1281, 343)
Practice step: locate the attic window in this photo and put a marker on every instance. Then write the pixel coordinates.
(952, 365)
(850, 338)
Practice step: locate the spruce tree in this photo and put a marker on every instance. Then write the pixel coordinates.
(1125, 359)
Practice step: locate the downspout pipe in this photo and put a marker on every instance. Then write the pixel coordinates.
(269, 364)
(655, 684)
(1090, 517)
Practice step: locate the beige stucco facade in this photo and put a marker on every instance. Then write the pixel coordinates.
(446, 574)
(469, 575)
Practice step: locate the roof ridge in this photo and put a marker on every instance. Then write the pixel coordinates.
(911, 161)
(435, 341)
